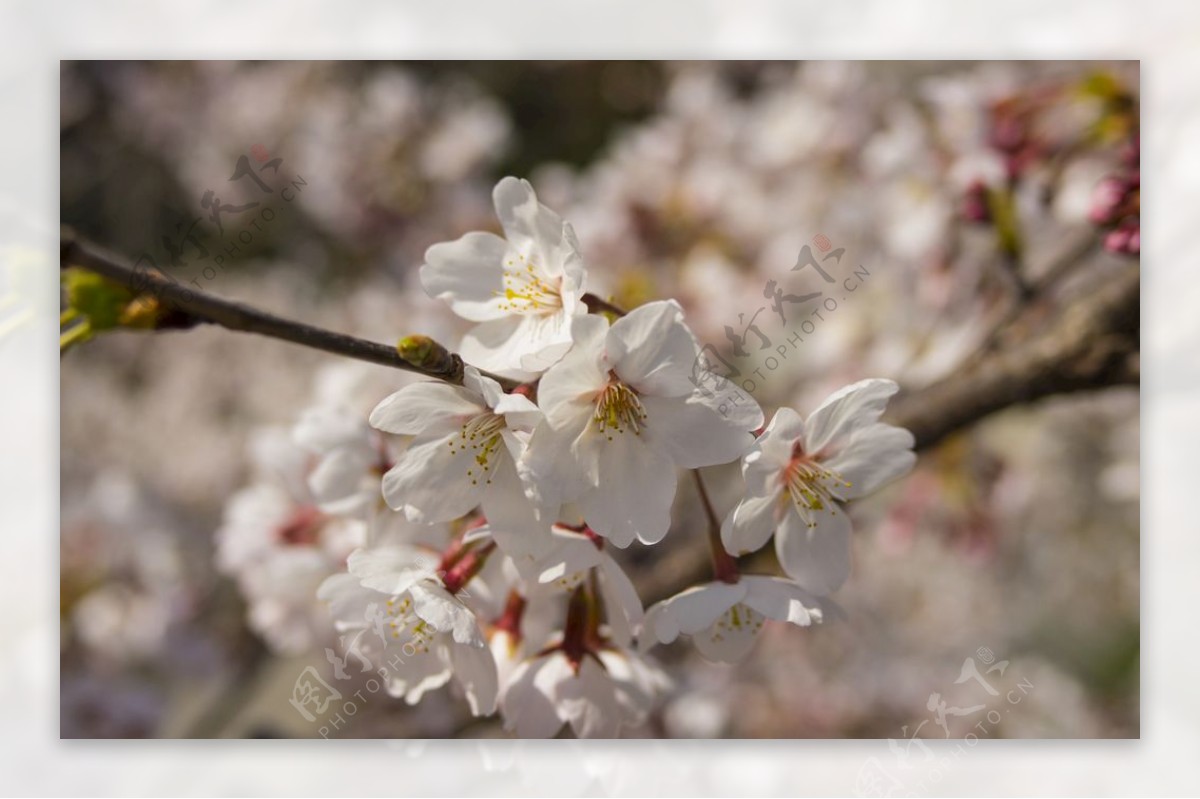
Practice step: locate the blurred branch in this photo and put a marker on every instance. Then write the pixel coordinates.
(1030, 293)
(194, 306)
(1093, 345)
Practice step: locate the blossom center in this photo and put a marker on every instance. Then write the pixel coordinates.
(812, 487)
(738, 620)
(527, 291)
(480, 435)
(402, 622)
(618, 409)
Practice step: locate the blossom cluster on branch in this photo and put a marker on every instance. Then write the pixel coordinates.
(477, 525)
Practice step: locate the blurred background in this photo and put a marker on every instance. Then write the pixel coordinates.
(951, 189)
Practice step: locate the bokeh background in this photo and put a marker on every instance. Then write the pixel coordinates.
(699, 181)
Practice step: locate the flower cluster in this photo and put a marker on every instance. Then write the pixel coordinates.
(524, 607)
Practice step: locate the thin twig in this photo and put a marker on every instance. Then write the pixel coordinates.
(598, 305)
(201, 307)
(724, 565)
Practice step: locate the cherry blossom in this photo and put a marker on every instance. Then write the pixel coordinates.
(800, 474)
(577, 554)
(622, 414)
(280, 545)
(396, 610)
(467, 440)
(524, 289)
(723, 619)
(599, 695)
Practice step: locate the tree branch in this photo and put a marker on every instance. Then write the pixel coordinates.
(196, 306)
(1093, 345)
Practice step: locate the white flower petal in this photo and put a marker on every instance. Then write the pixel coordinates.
(730, 638)
(528, 703)
(475, 670)
(847, 410)
(634, 495)
(572, 383)
(695, 434)
(875, 456)
(391, 570)
(559, 465)
(433, 481)
(468, 275)
(659, 626)
(783, 600)
(427, 408)
(622, 605)
(775, 443)
(528, 224)
(518, 412)
(696, 608)
(570, 554)
(638, 681)
(348, 600)
(511, 515)
(337, 482)
(325, 428)
(419, 673)
(589, 702)
(445, 614)
(526, 344)
(749, 525)
(818, 558)
(653, 351)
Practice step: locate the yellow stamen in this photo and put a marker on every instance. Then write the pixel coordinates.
(481, 435)
(812, 487)
(526, 291)
(617, 409)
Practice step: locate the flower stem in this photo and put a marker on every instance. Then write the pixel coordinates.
(724, 565)
(514, 610)
(467, 567)
(599, 305)
(575, 630)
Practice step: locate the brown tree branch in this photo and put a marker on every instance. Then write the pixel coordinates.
(196, 306)
(1093, 345)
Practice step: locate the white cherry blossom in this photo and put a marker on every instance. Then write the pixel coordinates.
(523, 289)
(802, 471)
(350, 459)
(723, 619)
(280, 545)
(598, 694)
(396, 611)
(467, 440)
(572, 558)
(622, 414)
